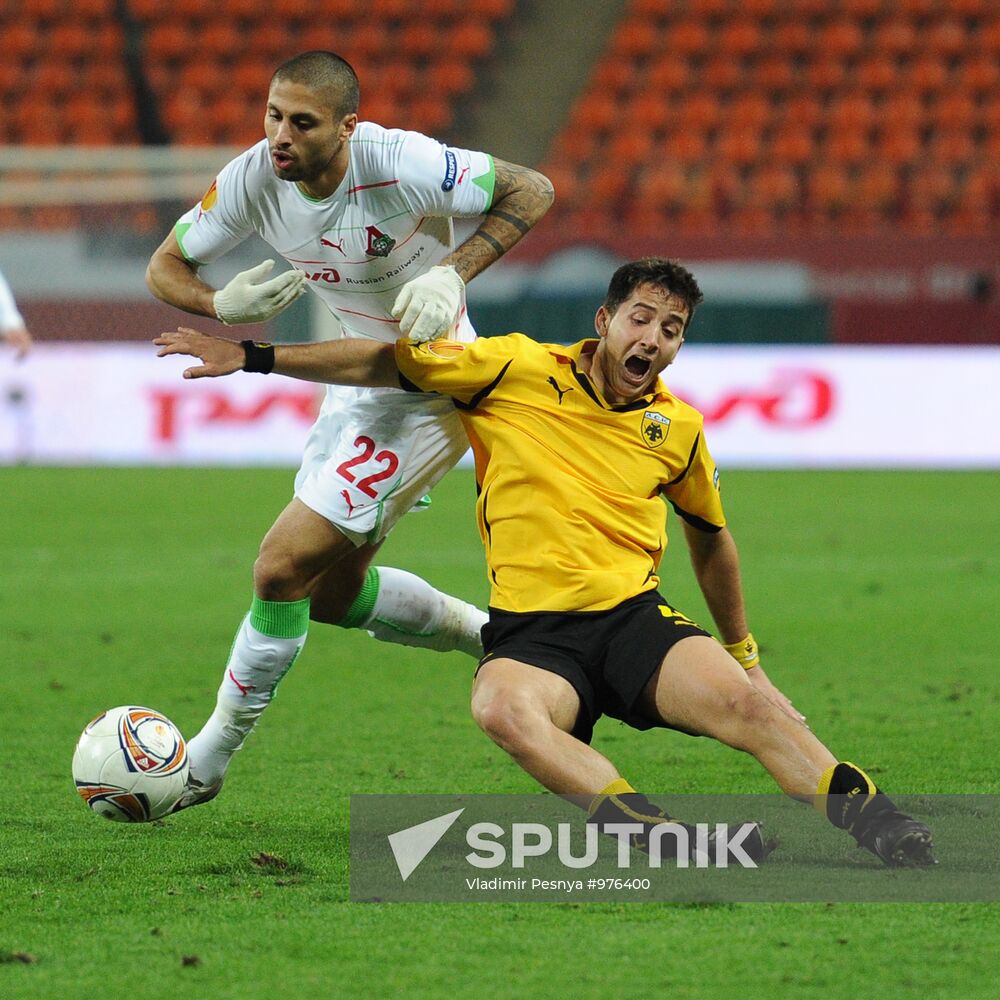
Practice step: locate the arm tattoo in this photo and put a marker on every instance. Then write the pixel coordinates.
(521, 196)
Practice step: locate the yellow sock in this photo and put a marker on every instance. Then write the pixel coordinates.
(617, 787)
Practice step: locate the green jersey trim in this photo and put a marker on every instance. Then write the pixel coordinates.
(487, 181)
(180, 231)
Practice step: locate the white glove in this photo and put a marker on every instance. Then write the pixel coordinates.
(241, 301)
(427, 307)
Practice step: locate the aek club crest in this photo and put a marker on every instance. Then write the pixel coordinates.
(654, 428)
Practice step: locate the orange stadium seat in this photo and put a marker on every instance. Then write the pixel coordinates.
(740, 37)
(841, 38)
(653, 9)
(596, 111)
(21, 39)
(898, 144)
(876, 73)
(979, 74)
(774, 74)
(828, 189)
(954, 109)
(418, 40)
(668, 74)
(926, 75)
(722, 73)
(251, 76)
(851, 111)
(57, 79)
(634, 39)
(614, 75)
(470, 40)
(749, 110)
(168, 40)
(689, 37)
(862, 9)
(69, 40)
(267, 40)
(652, 111)
(894, 37)
(430, 114)
(803, 108)
(710, 9)
(685, 146)
(825, 75)
(607, 184)
(94, 10)
(793, 37)
(221, 39)
(759, 8)
(450, 77)
(662, 186)
(41, 10)
(877, 188)
(988, 37)
(845, 146)
(793, 144)
(630, 146)
(953, 147)
(739, 146)
(774, 187)
(699, 111)
(902, 108)
(947, 39)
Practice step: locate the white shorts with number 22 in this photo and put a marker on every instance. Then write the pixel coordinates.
(373, 454)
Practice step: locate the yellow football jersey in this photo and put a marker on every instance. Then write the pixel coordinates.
(569, 505)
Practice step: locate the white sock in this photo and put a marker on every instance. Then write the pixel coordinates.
(258, 661)
(396, 606)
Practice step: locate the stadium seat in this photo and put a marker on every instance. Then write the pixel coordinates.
(926, 75)
(689, 38)
(825, 75)
(470, 40)
(952, 147)
(685, 146)
(955, 109)
(793, 144)
(634, 39)
(875, 73)
(596, 111)
(662, 186)
(667, 75)
(847, 147)
(651, 110)
(774, 187)
(774, 75)
(877, 189)
(898, 144)
(614, 76)
(699, 111)
(841, 38)
(750, 110)
(851, 111)
(723, 74)
(894, 37)
(828, 189)
(740, 38)
(630, 146)
(739, 146)
(794, 38)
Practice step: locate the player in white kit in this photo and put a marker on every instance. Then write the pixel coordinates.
(13, 332)
(364, 216)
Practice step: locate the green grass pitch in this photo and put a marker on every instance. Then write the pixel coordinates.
(874, 597)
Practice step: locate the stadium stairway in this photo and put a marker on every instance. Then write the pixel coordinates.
(542, 71)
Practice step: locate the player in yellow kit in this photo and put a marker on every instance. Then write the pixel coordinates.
(574, 448)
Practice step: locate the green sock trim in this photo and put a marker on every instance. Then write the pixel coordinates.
(280, 619)
(360, 612)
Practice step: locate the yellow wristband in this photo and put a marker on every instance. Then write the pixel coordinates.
(745, 652)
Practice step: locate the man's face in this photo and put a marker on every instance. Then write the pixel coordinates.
(638, 342)
(303, 135)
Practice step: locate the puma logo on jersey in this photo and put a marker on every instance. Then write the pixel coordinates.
(555, 385)
(336, 246)
(347, 500)
(461, 176)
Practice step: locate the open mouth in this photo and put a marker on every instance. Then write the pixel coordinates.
(637, 367)
(282, 160)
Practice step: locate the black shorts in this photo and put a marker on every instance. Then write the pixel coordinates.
(608, 656)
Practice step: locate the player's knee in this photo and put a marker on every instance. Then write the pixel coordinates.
(276, 578)
(748, 714)
(508, 717)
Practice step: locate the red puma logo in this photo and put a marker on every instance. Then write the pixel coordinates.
(347, 500)
(461, 176)
(245, 689)
(336, 246)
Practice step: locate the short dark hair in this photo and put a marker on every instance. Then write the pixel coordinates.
(667, 274)
(328, 74)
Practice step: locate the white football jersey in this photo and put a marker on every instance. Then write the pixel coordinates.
(387, 222)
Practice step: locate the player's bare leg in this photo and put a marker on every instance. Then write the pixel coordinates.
(308, 570)
(530, 712)
(700, 688)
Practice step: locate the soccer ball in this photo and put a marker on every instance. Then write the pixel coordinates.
(130, 764)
